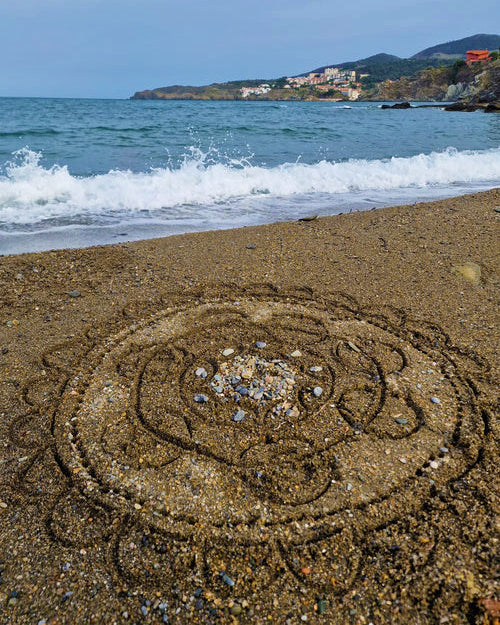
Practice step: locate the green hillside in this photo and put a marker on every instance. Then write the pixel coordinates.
(458, 48)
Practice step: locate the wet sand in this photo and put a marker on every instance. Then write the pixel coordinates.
(354, 480)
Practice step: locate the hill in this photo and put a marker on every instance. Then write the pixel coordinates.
(377, 69)
(457, 49)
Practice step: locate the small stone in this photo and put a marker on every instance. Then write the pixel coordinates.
(251, 246)
(403, 460)
(201, 372)
(308, 218)
(316, 369)
(497, 209)
(469, 271)
(3, 504)
(239, 415)
(444, 450)
(317, 391)
(144, 610)
(200, 399)
(401, 421)
(236, 609)
(226, 579)
(137, 506)
(228, 352)
(434, 464)
(74, 294)
(349, 487)
(296, 354)
(321, 607)
(435, 400)
(354, 347)
(242, 390)
(13, 601)
(260, 344)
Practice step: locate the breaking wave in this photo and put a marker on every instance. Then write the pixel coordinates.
(31, 194)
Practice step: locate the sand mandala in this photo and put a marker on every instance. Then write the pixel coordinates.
(263, 425)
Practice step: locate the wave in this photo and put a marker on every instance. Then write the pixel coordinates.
(31, 194)
(36, 132)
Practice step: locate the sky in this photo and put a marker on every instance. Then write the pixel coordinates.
(112, 48)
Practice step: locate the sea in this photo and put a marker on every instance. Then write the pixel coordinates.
(81, 172)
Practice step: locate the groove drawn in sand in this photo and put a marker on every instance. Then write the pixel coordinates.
(393, 419)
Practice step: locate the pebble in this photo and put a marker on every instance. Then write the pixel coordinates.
(226, 579)
(228, 352)
(74, 293)
(321, 607)
(236, 609)
(201, 372)
(316, 369)
(296, 354)
(434, 464)
(317, 391)
(239, 415)
(251, 246)
(435, 400)
(469, 271)
(401, 421)
(200, 399)
(260, 344)
(444, 450)
(353, 347)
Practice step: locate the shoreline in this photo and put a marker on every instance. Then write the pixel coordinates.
(89, 236)
(123, 498)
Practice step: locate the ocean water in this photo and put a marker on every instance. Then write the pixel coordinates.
(85, 172)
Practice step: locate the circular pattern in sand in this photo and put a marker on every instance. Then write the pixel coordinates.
(392, 420)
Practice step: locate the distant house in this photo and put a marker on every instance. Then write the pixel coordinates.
(477, 56)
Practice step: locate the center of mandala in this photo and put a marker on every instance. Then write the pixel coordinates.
(259, 380)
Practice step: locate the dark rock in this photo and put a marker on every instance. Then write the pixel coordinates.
(398, 105)
(461, 107)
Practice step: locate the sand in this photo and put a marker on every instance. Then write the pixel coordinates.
(371, 500)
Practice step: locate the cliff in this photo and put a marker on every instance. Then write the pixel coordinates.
(477, 84)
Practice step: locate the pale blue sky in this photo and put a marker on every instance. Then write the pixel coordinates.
(111, 48)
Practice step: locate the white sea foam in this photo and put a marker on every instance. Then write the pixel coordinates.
(31, 194)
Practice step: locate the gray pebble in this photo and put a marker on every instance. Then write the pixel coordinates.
(200, 399)
(260, 344)
(239, 415)
(74, 293)
(317, 391)
(435, 400)
(242, 390)
(201, 372)
(228, 352)
(296, 354)
(316, 369)
(226, 579)
(401, 421)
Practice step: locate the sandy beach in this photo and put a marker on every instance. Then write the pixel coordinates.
(287, 423)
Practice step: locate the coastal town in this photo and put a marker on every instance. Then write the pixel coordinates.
(333, 81)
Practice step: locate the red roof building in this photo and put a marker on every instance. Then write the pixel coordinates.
(477, 56)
